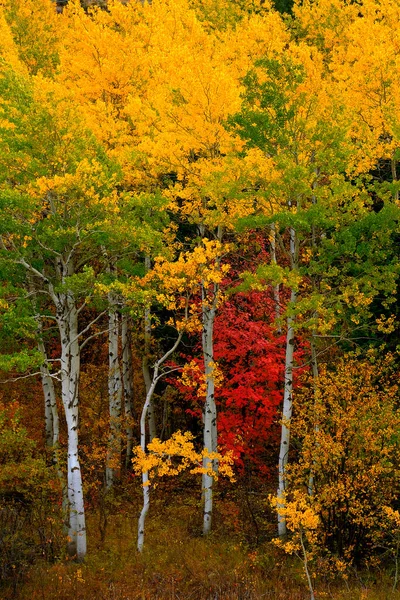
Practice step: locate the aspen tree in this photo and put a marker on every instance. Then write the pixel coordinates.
(287, 115)
(127, 379)
(53, 209)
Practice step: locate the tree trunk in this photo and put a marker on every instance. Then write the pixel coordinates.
(210, 409)
(145, 474)
(287, 397)
(114, 395)
(146, 362)
(313, 344)
(67, 319)
(277, 299)
(143, 441)
(127, 378)
(52, 422)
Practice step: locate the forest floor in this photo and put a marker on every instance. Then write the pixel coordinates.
(236, 562)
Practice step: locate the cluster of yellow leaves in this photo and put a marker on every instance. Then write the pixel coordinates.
(178, 281)
(35, 27)
(155, 83)
(386, 324)
(178, 454)
(393, 516)
(301, 519)
(193, 377)
(347, 422)
(8, 49)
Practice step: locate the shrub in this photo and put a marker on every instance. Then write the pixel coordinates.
(348, 430)
(29, 501)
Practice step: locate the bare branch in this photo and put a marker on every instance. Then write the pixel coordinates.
(104, 312)
(47, 248)
(93, 336)
(54, 375)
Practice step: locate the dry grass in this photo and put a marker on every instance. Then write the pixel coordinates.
(179, 564)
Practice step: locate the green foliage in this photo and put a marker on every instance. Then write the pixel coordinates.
(35, 29)
(267, 107)
(21, 361)
(284, 6)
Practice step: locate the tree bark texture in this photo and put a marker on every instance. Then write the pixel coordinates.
(287, 397)
(114, 395)
(67, 319)
(210, 441)
(127, 378)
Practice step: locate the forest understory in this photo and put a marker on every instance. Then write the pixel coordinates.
(179, 563)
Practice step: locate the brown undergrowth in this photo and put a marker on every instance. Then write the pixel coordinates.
(178, 563)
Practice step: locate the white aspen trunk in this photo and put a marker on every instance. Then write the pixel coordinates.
(52, 422)
(51, 417)
(210, 410)
(127, 378)
(143, 442)
(277, 299)
(145, 363)
(114, 395)
(67, 322)
(50, 407)
(145, 474)
(144, 511)
(67, 319)
(287, 398)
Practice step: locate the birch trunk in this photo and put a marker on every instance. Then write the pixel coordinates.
(277, 299)
(145, 474)
(67, 322)
(52, 422)
(67, 319)
(287, 397)
(210, 410)
(143, 441)
(114, 395)
(127, 378)
(145, 362)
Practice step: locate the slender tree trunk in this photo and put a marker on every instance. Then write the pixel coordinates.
(67, 322)
(146, 361)
(143, 441)
(114, 395)
(52, 422)
(127, 378)
(67, 319)
(145, 474)
(51, 419)
(287, 396)
(210, 409)
(277, 299)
